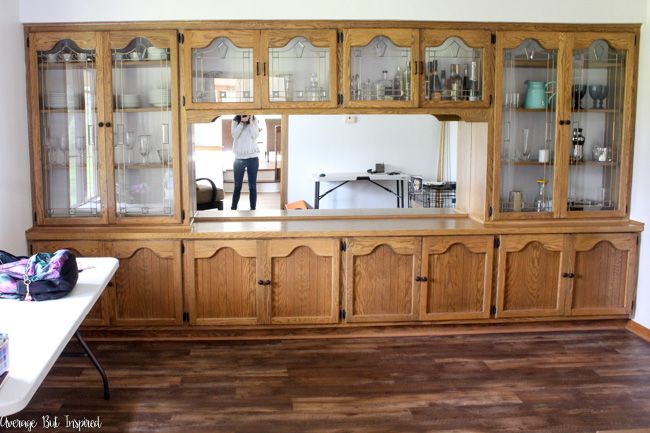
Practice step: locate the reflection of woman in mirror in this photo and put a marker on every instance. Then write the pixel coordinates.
(244, 144)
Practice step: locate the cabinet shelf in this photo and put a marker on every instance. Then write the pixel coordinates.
(142, 110)
(66, 110)
(595, 110)
(527, 163)
(68, 65)
(528, 110)
(140, 165)
(150, 63)
(594, 164)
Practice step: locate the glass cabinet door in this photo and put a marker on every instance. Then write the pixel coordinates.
(597, 144)
(380, 68)
(224, 68)
(66, 140)
(454, 68)
(527, 83)
(301, 68)
(144, 131)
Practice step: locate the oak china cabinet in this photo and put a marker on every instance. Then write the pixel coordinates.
(562, 124)
(105, 127)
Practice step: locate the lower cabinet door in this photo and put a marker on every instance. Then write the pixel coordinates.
(604, 274)
(380, 281)
(221, 282)
(456, 277)
(100, 314)
(304, 281)
(148, 283)
(530, 280)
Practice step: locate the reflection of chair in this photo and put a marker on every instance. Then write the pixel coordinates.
(208, 196)
(272, 141)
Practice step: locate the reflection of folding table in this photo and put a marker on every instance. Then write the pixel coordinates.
(343, 178)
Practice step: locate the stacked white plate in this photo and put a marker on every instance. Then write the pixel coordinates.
(154, 53)
(127, 100)
(58, 100)
(159, 97)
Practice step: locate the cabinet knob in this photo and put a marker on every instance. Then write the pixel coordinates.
(425, 279)
(267, 282)
(108, 124)
(568, 275)
(260, 282)
(100, 124)
(418, 278)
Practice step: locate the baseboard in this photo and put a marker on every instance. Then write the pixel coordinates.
(198, 333)
(638, 330)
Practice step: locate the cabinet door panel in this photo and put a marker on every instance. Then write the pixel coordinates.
(605, 268)
(530, 276)
(148, 286)
(304, 280)
(100, 314)
(380, 279)
(459, 274)
(220, 282)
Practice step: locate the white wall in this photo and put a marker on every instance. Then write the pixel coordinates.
(583, 11)
(640, 206)
(15, 192)
(326, 144)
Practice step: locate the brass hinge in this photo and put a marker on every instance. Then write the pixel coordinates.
(493, 310)
(182, 214)
(344, 246)
(497, 242)
(181, 38)
(186, 316)
(34, 217)
(342, 314)
(493, 38)
(339, 37)
(633, 305)
(183, 100)
(182, 247)
(490, 211)
(27, 41)
(490, 101)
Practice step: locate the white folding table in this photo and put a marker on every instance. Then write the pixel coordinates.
(343, 178)
(39, 331)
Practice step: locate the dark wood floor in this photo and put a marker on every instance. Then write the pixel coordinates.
(541, 382)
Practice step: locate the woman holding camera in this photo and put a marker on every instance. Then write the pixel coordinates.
(245, 131)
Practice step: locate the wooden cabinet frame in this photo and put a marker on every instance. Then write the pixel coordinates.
(195, 39)
(319, 38)
(362, 37)
(474, 39)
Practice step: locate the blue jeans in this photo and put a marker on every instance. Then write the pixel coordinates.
(251, 165)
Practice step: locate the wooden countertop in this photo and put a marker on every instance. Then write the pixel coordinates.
(240, 229)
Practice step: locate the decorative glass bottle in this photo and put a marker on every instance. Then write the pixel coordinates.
(540, 202)
(455, 83)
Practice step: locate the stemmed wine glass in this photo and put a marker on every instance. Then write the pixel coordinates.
(80, 145)
(62, 145)
(144, 146)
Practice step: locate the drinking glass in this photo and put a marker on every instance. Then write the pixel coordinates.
(164, 133)
(130, 144)
(144, 146)
(62, 145)
(525, 151)
(80, 145)
(119, 134)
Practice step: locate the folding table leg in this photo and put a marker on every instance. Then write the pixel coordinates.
(98, 366)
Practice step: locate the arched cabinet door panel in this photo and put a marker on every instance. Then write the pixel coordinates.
(221, 282)
(148, 284)
(530, 276)
(380, 283)
(605, 274)
(458, 277)
(304, 281)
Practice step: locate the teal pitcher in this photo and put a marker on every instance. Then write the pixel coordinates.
(536, 94)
